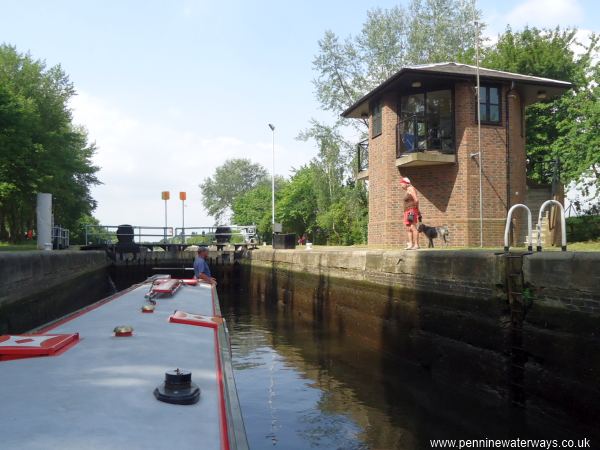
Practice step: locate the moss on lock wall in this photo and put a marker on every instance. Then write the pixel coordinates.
(448, 313)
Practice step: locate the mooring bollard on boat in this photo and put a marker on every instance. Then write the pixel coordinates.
(123, 331)
(148, 308)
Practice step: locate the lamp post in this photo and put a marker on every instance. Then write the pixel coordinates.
(272, 127)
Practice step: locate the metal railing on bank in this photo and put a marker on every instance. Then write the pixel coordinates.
(60, 238)
(234, 234)
(111, 234)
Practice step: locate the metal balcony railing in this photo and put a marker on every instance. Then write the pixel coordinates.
(543, 170)
(415, 134)
(362, 155)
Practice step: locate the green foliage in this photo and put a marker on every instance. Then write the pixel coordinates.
(77, 233)
(199, 239)
(339, 205)
(583, 228)
(21, 247)
(298, 205)
(568, 127)
(254, 207)
(345, 221)
(578, 142)
(441, 30)
(96, 234)
(230, 181)
(428, 31)
(207, 238)
(544, 53)
(40, 148)
(315, 201)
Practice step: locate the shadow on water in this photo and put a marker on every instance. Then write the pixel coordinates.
(320, 363)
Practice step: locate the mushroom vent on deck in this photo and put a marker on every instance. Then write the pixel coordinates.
(178, 388)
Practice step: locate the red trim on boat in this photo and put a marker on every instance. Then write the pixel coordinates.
(223, 413)
(223, 416)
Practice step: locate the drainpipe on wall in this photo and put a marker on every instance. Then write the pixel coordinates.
(508, 187)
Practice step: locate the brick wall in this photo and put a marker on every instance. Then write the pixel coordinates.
(385, 209)
(449, 194)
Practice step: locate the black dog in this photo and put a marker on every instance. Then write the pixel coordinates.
(434, 232)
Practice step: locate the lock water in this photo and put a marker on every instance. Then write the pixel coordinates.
(299, 390)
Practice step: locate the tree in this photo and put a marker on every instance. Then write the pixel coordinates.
(298, 205)
(231, 180)
(533, 51)
(441, 30)
(339, 204)
(40, 148)
(77, 235)
(254, 207)
(428, 31)
(346, 219)
(567, 127)
(579, 141)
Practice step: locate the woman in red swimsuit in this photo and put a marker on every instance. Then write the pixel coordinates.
(411, 213)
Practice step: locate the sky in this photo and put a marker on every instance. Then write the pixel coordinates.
(168, 90)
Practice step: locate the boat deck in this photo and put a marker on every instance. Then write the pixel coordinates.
(99, 392)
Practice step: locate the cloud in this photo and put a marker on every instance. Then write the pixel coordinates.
(584, 37)
(545, 13)
(541, 14)
(139, 159)
(538, 13)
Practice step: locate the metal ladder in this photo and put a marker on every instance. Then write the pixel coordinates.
(563, 225)
(508, 223)
(547, 203)
(518, 304)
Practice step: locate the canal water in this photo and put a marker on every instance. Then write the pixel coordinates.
(299, 390)
(301, 386)
(289, 394)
